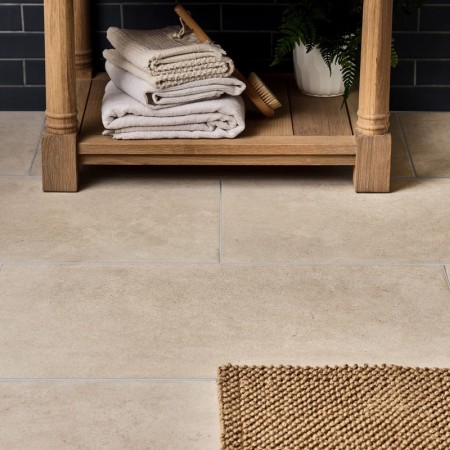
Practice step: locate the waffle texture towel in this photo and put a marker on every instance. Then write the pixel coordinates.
(125, 118)
(194, 91)
(167, 59)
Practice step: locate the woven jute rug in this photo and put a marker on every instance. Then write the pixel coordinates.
(349, 407)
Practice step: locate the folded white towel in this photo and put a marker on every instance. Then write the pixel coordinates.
(125, 118)
(194, 91)
(168, 59)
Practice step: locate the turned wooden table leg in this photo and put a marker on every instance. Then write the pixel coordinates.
(83, 51)
(59, 141)
(373, 157)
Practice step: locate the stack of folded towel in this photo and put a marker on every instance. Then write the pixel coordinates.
(167, 84)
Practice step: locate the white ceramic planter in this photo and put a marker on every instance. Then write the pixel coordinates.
(313, 76)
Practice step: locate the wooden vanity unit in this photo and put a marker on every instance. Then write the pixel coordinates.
(306, 131)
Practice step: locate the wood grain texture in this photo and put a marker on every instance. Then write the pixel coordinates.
(83, 86)
(59, 162)
(83, 51)
(281, 123)
(217, 160)
(265, 137)
(258, 145)
(373, 111)
(318, 116)
(352, 108)
(61, 113)
(373, 163)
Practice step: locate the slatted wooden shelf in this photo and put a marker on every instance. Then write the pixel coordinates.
(306, 131)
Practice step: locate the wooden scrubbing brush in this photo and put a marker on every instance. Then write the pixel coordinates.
(259, 94)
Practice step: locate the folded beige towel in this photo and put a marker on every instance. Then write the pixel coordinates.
(194, 91)
(125, 118)
(167, 59)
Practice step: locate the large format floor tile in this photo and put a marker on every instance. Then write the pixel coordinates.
(185, 321)
(109, 415)
(323, 220)
(122, 220)
(428, 138)
(20, 132)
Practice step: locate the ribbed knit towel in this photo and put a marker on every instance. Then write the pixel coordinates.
(125, 118)
(194, 91)
(168, 60)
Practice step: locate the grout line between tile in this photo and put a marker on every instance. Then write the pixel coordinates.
(111, 263)
(405, 143)
(24, 70)
(10, 175)
(83, 380)
(446, 276)
(261, 263)
(22, 17)
(221, 224)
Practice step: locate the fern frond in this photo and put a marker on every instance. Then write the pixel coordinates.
(394, 56)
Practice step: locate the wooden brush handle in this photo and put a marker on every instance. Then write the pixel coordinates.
(203, 37)
(191, 23)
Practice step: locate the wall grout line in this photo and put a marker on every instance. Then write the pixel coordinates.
(22, 17)
(24, 69)
(405, 144)
(446, 276)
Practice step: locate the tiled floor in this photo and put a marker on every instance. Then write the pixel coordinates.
(119, 302)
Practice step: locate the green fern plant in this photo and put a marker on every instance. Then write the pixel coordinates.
(334, 28)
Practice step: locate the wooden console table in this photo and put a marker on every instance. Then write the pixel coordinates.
(307, 131)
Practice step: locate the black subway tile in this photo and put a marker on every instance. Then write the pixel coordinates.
(433, 72)
(435, 18)
(10, 18)
(247, 17)
(11, 72)
(33, 17)
(420, 98)
(35, 72)
(21, 45)
(104, 16)
(403, 74)
(22, 98)
(422, 45)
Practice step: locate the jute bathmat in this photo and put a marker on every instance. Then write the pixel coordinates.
(331, 408)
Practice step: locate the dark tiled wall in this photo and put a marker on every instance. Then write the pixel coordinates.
(246, 29)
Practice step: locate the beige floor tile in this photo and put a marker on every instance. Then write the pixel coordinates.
(109, 415)
(20, 132)
(184, 321)
(401, 164)
(323, 220)
(428, 139)
(120, 219)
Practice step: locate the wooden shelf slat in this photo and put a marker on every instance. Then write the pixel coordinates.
(318, 116)
(262, 145)
(218, 160)
(281, 123)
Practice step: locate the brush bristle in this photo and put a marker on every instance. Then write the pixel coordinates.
(267, 96)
